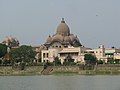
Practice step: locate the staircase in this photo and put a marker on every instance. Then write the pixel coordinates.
(47, 70)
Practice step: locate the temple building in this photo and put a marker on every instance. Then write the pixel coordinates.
(65, 45)
(62, 38)
(62, 44)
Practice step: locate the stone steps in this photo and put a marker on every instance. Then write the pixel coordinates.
(47, 70)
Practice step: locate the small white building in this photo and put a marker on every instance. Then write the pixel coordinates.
(74, 52)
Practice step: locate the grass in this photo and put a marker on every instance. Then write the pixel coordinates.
(107, 72)
(65, 72)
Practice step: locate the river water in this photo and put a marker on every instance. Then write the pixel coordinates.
(51, 82)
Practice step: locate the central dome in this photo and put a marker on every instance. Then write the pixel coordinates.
(62, 37)
(63, 29)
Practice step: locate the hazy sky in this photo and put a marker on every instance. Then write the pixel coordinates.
(31, 21)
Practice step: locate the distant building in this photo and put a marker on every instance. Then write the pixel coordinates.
(62, 38)
(11, 42)
(63, 44)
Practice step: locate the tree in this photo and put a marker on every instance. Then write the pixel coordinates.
(40, 56)
(57, 61)
(117, 61)
(23, 54)
(68, 60)
(3, 50)
(100, 61)
(90, 59)
(111, 61)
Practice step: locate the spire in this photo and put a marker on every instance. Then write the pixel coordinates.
(62, 20)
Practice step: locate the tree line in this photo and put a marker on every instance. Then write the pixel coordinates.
(26, 55)
(22, 54)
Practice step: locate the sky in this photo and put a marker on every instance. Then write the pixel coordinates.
(94, 22)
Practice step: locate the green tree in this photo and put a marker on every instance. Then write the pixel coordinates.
(3, 50)
(117, 61)
(69, 61)
(90, 59)
(23, 54)
(40, 56)
(57, 61)
(100, 61)
(111, 61)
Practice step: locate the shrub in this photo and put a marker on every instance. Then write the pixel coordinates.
(100, 62)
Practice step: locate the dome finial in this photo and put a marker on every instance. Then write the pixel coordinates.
(62, 20)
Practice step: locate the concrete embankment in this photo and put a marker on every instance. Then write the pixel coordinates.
(65, 70)
(29, 70)
(56, 70)
(110, 69)
(98, 70)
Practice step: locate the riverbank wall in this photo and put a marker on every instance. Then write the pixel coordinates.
(36, 70)
(29, 70)
(97, 70)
